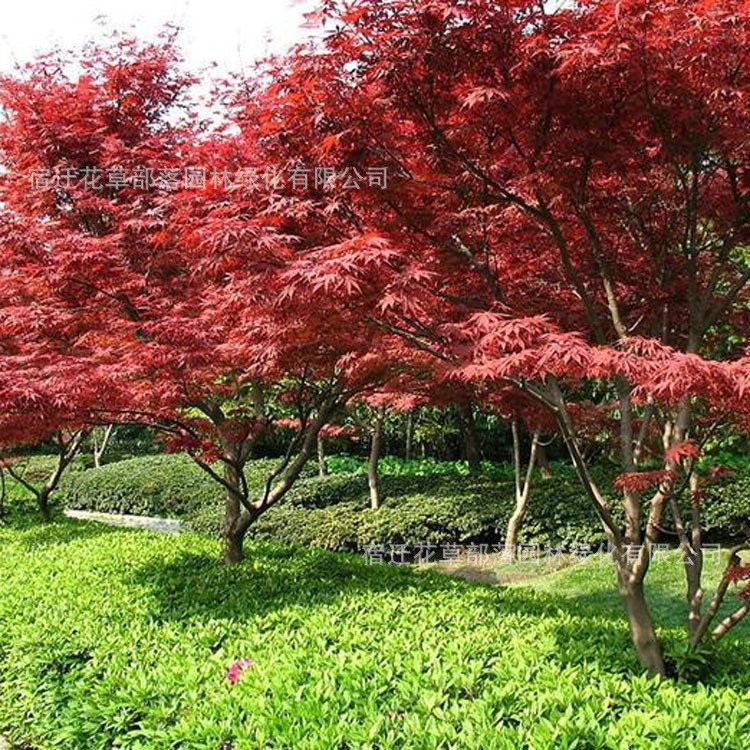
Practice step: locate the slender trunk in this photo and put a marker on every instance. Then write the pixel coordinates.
(322, 465)
(66, 452)
(641, 626)
(730, 621)
(631, 500)
(522, 490)
(471, 440)
(630, 578)
(514, 526)
(707, 617)
(99, 449)
(409, 436)
(543, 461)
(373, 477)
(237, 519)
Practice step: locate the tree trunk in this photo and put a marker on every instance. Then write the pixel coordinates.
(409, 436)
(522, 489)
(322, 465)
(373, 477)
(44, 506)
(543, 461)
(236, 517)
(99, 449)
(471, 440)
(642, 627)
(2, 494)
(235, 529)
(234, 552)
(514, 526)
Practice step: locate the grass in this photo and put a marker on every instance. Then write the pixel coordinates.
(122, 639)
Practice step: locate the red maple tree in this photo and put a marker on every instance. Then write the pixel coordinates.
(568, 197)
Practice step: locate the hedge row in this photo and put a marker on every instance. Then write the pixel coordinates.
(160, 485)
(432, 510)
(334, 513)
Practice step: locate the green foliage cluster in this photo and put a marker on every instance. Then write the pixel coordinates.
(425, 502)
(397, 466)
(431, 509)
(160, 485)
(123, 639)
(726, 508)
(166, 485)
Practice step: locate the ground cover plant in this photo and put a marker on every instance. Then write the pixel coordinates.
(128, 639)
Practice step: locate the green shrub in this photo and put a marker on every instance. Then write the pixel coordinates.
(334, 513)
(118, 639)
(170, 485)
(162, 485)
(395, 466)
(726, 508)
(439, 507)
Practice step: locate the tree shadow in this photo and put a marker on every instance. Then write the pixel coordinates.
(29, 532)
(272, 579)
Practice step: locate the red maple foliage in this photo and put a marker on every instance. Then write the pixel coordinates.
(156, 303)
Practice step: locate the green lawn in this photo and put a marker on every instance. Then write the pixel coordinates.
(122, 639)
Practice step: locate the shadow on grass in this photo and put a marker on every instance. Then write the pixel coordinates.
(191, 584)
(587, 627)
(26, 529)
(273, 579)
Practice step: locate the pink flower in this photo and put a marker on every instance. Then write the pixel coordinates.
(235, 671)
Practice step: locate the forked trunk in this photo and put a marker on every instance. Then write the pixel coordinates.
(100, 448)
(641, 625)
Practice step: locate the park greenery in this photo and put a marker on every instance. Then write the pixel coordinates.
(460, 272)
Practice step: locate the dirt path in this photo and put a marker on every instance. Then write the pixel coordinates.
(495, 570)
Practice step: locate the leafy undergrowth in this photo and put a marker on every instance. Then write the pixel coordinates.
(122, 639)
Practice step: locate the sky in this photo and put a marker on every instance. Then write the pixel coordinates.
(231, 33)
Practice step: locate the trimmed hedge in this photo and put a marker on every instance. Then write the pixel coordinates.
(432, 510)
(163, 485)
(333, 513)
(167, 485)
